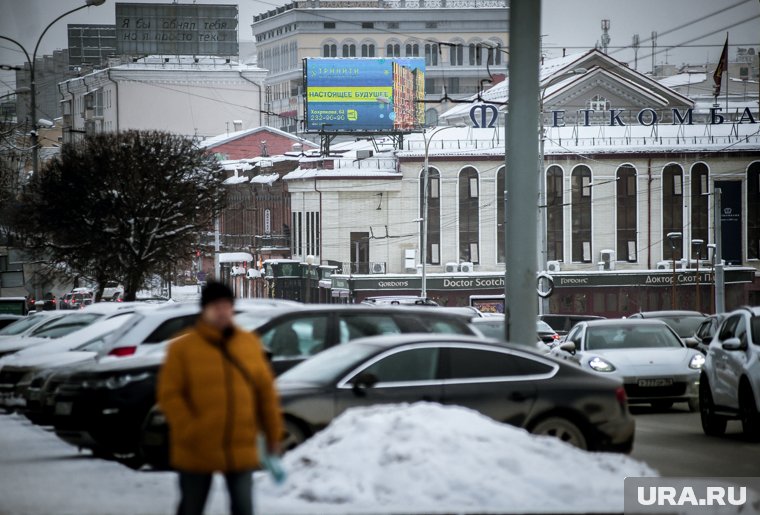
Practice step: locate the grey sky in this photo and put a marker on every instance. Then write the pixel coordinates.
(566, 23)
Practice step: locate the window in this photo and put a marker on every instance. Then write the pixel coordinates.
(555, 214)
(672, 206)
(453, 85)
(297, 337)
(393, 50)
(598, 103)
(368, 25)
(700, 203)
(501, 218)
(753, 211)
(349, 50)
(171, 328)
(581, 213)
(626, 213)
(433, 214)
(407, 365)
(494, 54)
(412, 50)
(352, 327)
(330, 50)
(431, 54)
(481, 364)
(360, 252)
(296, 231)
(475, 54)
(393, 25)
(456, 55)
(368, 50)
(329, 25)
(431, 25)
(469, 215)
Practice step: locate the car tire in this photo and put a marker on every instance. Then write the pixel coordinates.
(562, 428)
(749, 414)
(294, 435)
(154, 440)
(662, 405)
(712, 424)
(693, 405)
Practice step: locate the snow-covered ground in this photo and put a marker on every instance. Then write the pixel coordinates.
(413, 459)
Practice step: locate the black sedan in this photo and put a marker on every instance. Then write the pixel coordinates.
(508, 383)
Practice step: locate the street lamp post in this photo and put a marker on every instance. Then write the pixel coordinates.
(424, 222)
(697, 244)
(673, 238)
(32, 84)
(543, 250)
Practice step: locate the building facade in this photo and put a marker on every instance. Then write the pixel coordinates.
(461, 41)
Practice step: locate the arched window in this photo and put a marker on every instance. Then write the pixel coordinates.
(368, 50)
(412, 50)
(456, 54)
(433, 214)
(475, 54)
(555, 214)
(700, 189)
(627, 226)
(500, 214)
(598, 103)
(672, 207)
(469, 215)
(393, 50)
(581, 213)
(753, 211)
(349, 50)
(330, 50)
(431, 54)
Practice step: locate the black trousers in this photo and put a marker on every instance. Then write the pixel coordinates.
(194, 489)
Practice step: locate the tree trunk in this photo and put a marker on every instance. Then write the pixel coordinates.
(131, 286)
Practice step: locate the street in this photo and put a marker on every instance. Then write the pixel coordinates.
(671, 442)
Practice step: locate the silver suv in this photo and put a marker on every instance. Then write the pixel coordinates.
(729, 386)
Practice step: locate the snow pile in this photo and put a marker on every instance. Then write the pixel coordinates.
(428, 458)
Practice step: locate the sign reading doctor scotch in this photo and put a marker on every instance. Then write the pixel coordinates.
(364, 95)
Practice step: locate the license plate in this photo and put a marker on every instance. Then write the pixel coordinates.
(653, 383)
(63, 408)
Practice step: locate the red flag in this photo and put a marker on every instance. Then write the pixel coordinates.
(722, 67)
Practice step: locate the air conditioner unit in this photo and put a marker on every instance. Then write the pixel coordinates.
(553, 267)
(664, 265)
(467, 268)
(608, 259)
(364, 154)
(451, 268)
(378, 268)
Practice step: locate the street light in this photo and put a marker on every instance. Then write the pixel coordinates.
(697, 245)
(543, 250)
(32, 85)
(674, 238)
(424, 224)
(711, 249)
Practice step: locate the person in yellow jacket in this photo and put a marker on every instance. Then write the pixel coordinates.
(217, 391)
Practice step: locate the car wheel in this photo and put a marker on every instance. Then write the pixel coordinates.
(294, 436)
(154, 440)
(712, 424)
(563, 429)
(694, 405)
(749, 414)
(662, 405)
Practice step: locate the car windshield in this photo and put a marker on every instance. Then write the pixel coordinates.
(328, 365)
(491, 328)
(543, 327)
(754, 323)
(66, 325)
(684, 326)
(630, 337)
(19, 326)
(253, 320)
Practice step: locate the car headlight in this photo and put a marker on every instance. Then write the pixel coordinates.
(116, 382)
(697, 361)
(601, 365)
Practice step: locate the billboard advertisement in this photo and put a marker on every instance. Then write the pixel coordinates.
(365, 94)
(176, 29)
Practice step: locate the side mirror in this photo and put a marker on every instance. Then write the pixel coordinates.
(363, 382)
(734, 344)
(691, 342)
(568, 346)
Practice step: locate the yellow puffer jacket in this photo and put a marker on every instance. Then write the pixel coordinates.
(213, 411)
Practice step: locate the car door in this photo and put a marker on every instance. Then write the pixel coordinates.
(295, 338)
(720, 380)
(497, 383)
(406, 374)
(736, 361)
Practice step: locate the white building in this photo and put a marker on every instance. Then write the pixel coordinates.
(192, 96)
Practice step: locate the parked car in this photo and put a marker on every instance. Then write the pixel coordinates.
(729, 387)
(563, 323)
(507, 383)
(706, 331)
(654, 364)
(35, 329)
(493, 327)
(14, 306)
(396, 300)
(112, 290)
(9, 319)
(684, 323)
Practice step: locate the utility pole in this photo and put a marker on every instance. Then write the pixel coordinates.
(654, 48)
(636, 52)
(522, 216)
(720, 280)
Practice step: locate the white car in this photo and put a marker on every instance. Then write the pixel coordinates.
(729, 387)
(656, 367)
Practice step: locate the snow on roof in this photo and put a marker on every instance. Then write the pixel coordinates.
(236, 179)
(235, 257)
(465, 462)
(301, 173)
(186, 63)
(683, 79)
(221, 139)
(243, 165)
(268, 179)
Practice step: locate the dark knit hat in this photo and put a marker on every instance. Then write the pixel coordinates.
(214, 291)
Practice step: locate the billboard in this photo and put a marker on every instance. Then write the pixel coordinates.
(364, 94)
(91, 43)
(176, 29)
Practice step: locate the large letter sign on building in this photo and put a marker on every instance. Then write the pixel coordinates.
(366, 95)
